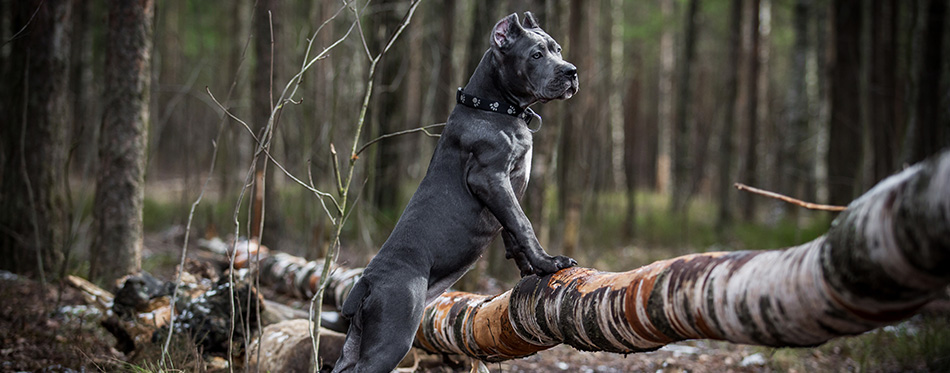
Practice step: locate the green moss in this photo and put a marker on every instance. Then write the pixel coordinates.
(920, 344)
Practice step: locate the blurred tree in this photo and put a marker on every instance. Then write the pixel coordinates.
(845, 153)
(794, 133)
(34, 218)
(928, 131)
(573, 173)
(632, 126)
(749, 174)
(81, 87)
(120, 185)
(266, 76)
(682, 164)
(665, 100)
(885, 127)
(234, 152)
(726, 141)
(389, 159)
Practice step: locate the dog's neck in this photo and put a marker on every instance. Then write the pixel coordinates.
(485, 83)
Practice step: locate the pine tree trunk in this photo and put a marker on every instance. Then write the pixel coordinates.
(750, 161)
(885, 125)
(726, 141)
(665, 99)
(631, 124)
(682, 163)
(846, 120)
(794, 134)
(928, 131)
(34, 139)
(120, 183)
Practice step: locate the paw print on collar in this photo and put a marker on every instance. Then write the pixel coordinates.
(493, 106)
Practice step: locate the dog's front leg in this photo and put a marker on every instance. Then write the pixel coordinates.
(488, 178)
(513, 251)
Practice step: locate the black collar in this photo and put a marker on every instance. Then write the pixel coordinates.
(499, 107)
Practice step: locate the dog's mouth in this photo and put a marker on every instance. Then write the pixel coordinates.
(570, 91)
(561, 90)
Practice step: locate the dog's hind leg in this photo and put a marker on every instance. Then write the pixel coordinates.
(386, 323)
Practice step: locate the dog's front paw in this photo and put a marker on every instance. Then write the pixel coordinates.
(564, 262)
(526, 270)
(553, 264)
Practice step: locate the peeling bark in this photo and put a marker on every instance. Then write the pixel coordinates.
(289, 274)
(881, 261)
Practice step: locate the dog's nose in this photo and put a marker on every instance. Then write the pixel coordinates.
(570, 70)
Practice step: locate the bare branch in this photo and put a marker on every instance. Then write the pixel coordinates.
(28, 22)
(359, 25)
(794, 201)
(402, 26)
(423, 129)
(264, 149)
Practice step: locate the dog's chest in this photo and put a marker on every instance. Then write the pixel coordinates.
(521, 168)
(521, 173)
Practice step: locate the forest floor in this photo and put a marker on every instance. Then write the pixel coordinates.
(49, 329)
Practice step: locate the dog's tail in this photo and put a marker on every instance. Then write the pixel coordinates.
(354, 301)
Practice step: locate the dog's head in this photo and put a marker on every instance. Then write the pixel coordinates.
(531, 60)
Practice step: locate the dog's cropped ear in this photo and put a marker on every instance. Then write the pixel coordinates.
(530, 21)
(506, 31)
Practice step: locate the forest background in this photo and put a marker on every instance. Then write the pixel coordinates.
(679, 99)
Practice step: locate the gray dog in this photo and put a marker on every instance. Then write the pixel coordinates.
(470, 193)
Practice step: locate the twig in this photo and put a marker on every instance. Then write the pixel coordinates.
(263, 149)
(28, 22)
(794, 201)
(336, 169)
(424, 129)
(359, 25)
(38, 251)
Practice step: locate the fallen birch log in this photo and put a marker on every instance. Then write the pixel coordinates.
(881, 261)
(285, 273)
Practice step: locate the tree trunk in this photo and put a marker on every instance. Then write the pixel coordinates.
(846, 121)
(794, 133)
(34, 136)
(265, 75)
(882, 260)
(572, 173)
(631, 124)
(389, 161)
(885, 125)
(750, 163)
(726, 141)
(928, 131)
(681, 134)
(665, 99)
(120, 183)
(82, 90)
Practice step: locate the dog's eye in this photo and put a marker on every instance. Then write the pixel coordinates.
(536, 55)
